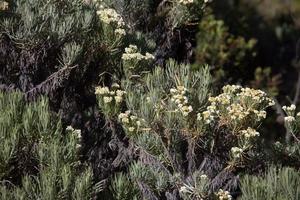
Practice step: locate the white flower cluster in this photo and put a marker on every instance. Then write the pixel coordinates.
(257, 96)
(290, 111)
(236, 152)
(250, 133)
(186, 2)
(236, 105)
(289, 119)
(181, 100)
(130, 122)
(131, 53)
(77, 132)
(3, 5)
(111, 17)
(187, 189)
(110, 100)
(292, 120)
(120, 32)
(224, 195)
(110, 96)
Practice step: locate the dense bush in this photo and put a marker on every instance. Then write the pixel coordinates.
(37, 160)
(151, 89)
(275, 184)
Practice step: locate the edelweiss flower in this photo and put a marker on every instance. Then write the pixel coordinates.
(3, 5)
(236, 105)
(118, 99)
(107, 99)
(250, 132)
(131, 129)
(131, 53)
(110, 16)
(224, 195)
(289, 119)
(289, 108)
(236, 152)
(101, 90)
(183, 189)
(131, 123)
(203, 176)
(185, 2)
(178, 96)
(120, 31)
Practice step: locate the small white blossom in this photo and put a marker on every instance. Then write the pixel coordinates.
(107, 99)
(199, 117)
(289, 119)
(120, 32)
(224, 195)
(101, 90)
(131, 53)
(131, 129)
(236, 152)
(203, 176)
(183, 189)
(110, 16)
(186, 2)
(250, 132)
(70, 128)
(125, 120)
(149, 56)
(118, 99)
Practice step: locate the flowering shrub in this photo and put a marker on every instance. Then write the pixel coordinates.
(240, 111)
(290, 119)
(272, 184)
(181, 100)
(131, 123)
(184, 11)
(290, 147)
(160, 134)
(196, 187)
(30, 135)
(133, 60)
(169, 101)
(110, 100)
(237, 108)
(113, 26)
(224, 195)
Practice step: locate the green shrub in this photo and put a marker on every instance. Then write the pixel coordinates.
(275, 184)
(37, 160)
(217, 47)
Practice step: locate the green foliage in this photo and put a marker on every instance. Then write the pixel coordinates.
(175, 13)
(161, 127)
(40, 19)
(37, 160)
(219, 48)
(152, 102)
(275, 184)
(263, 78)
(123, 189)
(156, 126)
